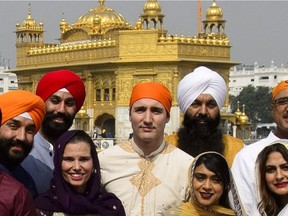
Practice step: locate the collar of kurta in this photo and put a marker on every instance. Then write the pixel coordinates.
(140, 152)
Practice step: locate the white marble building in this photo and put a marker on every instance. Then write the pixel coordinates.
(8, 80)
(255, 75)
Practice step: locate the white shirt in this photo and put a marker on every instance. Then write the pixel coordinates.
(284, 211)
(243, 170)
(146, 185)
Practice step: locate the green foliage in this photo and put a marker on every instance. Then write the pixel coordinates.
(257, 104)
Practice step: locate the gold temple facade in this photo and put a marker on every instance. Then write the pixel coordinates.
(111, 56)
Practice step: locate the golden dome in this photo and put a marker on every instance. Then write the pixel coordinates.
(243, 118)
(152, 7)
(238, 112)
(29, 22)
(214, 12)
(82, 112)
(101, 15)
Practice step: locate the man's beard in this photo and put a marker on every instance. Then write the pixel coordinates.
(13, 158)
(50, 128)
(196, 138)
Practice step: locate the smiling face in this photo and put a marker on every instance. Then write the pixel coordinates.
(60, 112)
(207, 186)
(276, 170)
(16, 139)
(77, 165)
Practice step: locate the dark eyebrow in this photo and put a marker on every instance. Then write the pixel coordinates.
(14, 121)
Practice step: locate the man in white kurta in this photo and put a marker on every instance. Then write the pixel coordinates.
(146, 173)
(243, 168)
(147, 185)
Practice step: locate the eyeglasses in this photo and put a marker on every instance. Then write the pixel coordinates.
(281, 101)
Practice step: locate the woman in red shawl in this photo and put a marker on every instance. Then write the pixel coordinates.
(75, 186)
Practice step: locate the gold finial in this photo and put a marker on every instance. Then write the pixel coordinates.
(101, 2)
(243, 117)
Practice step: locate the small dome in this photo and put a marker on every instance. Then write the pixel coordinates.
(29, 22)
(102, 15)
(152, 7)
(82, 112)
(214, 12)
(238, 112)
(243, 118)
(63, 22)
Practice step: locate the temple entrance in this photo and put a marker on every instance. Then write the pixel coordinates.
(104, 126)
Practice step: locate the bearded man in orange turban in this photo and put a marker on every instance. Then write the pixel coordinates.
(63, 92)
(22, 115)
(146, 173)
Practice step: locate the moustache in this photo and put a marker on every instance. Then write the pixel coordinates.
(23, 145)
(58, 115)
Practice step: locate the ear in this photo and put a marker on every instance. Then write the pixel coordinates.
(130, 117)
(167, 120)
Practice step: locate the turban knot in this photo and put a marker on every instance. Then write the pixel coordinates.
(282, 85)
(201, 81)
(53, 81)
(152, 90)
(14, 103)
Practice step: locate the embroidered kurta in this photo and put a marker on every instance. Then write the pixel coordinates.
(146, 185)
(231, 145)
(39, 163)
(243, 170)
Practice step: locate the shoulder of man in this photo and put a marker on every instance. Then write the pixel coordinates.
(172, 139)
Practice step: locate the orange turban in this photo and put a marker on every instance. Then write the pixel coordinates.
(152, 90)
(14, 103)
(282, 85)
(53, 81)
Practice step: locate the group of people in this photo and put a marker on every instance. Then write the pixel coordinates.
(47, 169)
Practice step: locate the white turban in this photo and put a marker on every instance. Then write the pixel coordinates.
(201, 81)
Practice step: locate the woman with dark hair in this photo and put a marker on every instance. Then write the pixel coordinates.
(272, 179)
(211, 180)
(75, 186)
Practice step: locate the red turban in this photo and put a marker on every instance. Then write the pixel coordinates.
(53, 81)
(282, 85)
(14, 103)
(152, 90)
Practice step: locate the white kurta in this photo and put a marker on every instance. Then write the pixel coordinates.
(284, 211)
(146, 185)
(243, 170)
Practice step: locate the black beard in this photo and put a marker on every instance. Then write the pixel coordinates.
(12, 158)
(196, 138)
(54, 130)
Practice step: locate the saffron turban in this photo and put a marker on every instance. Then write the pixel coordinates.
(201, 81)
(53, 81)
(282, 85)
(152, 90)
(14, 103)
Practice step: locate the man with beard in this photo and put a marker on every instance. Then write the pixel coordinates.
(22, 114)
(201, 95)
(63, 92)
